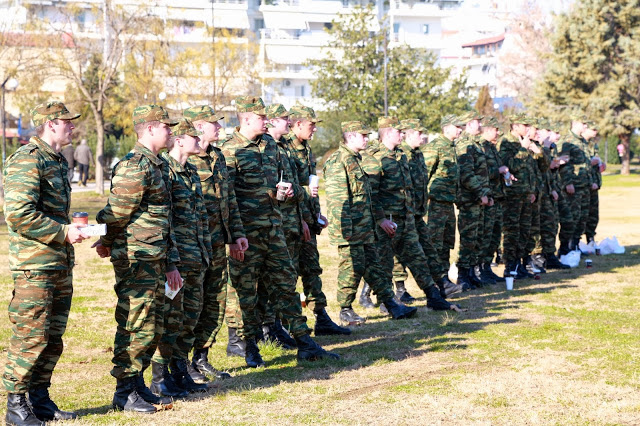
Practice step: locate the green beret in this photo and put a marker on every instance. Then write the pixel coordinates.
(50, 111)
(354, 126)
(304, 113)
(413, 124)
(250, 104)
(149, 113)
(276, 111)
(202, 112)
(387, 121)
(185, 127)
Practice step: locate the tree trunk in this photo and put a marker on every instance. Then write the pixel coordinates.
(625, 139)
(99, 152)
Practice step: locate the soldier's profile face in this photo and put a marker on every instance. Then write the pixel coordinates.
(189, 144)
(63, 129)
(210, 131)
(306, 129)
(257, 123)
(413, 138)
(473, 127)
(280, 124)
(490, 133)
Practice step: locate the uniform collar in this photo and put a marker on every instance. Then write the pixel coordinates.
(243, 140)
(296, 143)
(44, 146)
(147, 153)
(173, 163)
(350, 151)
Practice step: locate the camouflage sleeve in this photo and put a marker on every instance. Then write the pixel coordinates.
(493, 166)
(235, 221)
(431, 155)
(130, 178)
(204, 218)
(307, 216)
(22, 196)
(469, 180)
(566, 171)
(544, 159)
(173, 256)
(338, 204)
(373, 169)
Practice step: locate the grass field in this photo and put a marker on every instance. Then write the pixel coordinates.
(563, 350)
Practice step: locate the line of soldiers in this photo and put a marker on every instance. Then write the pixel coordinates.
(211, 230)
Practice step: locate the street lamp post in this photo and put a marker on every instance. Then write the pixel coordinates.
(9, 84)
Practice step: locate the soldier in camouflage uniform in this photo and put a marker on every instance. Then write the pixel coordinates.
(190, 254)
(443, 181)
(576, 181)
(392, 201)
(492, 214)
(597, 166)
(253, 166)
(137, 217)
(41, 259)
(352, 227)
(474, 194)
(225, 227)
(515, 154)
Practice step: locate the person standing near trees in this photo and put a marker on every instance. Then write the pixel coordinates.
(41, 259)
(84, 158)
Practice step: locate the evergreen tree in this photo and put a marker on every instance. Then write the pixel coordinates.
(484, 104)
(594, 67)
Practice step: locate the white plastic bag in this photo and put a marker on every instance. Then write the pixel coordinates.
(610, 246)
(453, 273)
(571, 259)
(587, 248)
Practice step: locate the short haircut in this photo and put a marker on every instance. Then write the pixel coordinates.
(171, 142)
(40, 130)
(384, 131)
(139, 128)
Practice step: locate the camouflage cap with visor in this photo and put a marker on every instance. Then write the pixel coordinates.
(450, 120)
(276, 111)
(387, 121)
(250, 104)
(521, 118)
(302, 112)
(355, 127)
(51, 111)
(489, 121)
(469, 116)
(202, 112)
(185, 127)
(149, 113)
(592, 125)
(412, 124)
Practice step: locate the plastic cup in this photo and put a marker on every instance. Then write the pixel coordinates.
(597, 251)
(509, 282)
(81, 218)
(283, 187)
(589, 263)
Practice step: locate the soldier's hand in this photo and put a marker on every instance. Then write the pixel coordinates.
(503, 169)
(535, 148)
(594, 187)
(554, 195)
(243, 244)
(306, 233)
(484, 200)
(174, 280)
(324, 219)
(236, 252)
(570, 189)
(313, 190)
(603, 167)
(532, 198)
(555, 163)
(75, 234)
(388, 227)
(101, 250)
(595, 161)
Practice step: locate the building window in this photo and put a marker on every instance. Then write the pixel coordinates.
(259, 24)
(425, 28)
(396, 28)
(328, 25)
(479, 50)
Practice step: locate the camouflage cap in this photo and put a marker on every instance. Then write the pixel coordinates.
(202, 112)
(489, 121)
(450, 119)
(469, 116)
(250, 104)
(354, 126)
(543, 123)
(592, 125)
(50, 111)
(413, 124)
(303, 112)
(185, 127)
(521, 118)
(276, 111)
(386, 121)
(578, 116)
(148, 113)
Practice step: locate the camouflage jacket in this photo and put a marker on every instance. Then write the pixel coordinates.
(349, 210)
(306, 165)
(191, 240)
(520, 164)
(37, 199)
(442, 169)
(225, 224)
(418, 170)
(542, 162)
(390, 180)
(578, 170)
(254, 173)
(138, 209)
(472, 166)
(596, 175)
(494, 162)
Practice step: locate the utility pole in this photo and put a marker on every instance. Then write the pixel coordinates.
(213, 54)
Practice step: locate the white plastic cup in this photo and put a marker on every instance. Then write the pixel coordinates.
(283, 187)
(314, 183)
(509, 282)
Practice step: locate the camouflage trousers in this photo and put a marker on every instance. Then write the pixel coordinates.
(574, 224)
(516, 220)
(492, 232)
(267, 261)
(534, 230)
(139, 315)
(405, 245)
(180, 317)
(470, 222)
(594, 215)
(441, 227)
(39, 310)
(565, 217)
(399, 271)
(548, 224)
(214, 299)
(310, 271)
(357, 262)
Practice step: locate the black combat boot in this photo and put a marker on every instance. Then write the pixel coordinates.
(553, 262)
(162, 382)
(499, 259)
(235, 346)
(44, 408)
(365, 297)
(510, 267)
(325, 326)
(200, 362)
(19, 412)
(252, 354)
(146, 394)
(486, 267)
(539, 261)
(522, 271)
(402, 294)
(398, 310)
(464, 281)
(275, 333)
(127, 398)
(435, 301)
(447, 288)
(309, 350)
(474, 279)
(180, 372)
(348, 317)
